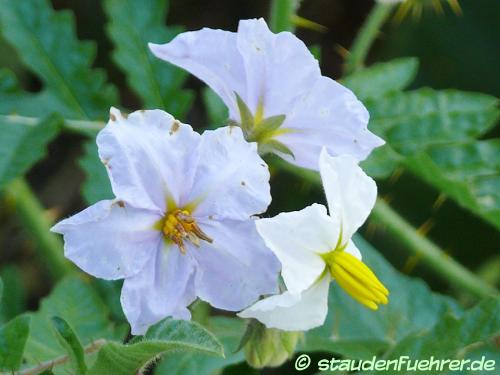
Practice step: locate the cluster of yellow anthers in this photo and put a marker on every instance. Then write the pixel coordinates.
(179, 226)
(356, 279)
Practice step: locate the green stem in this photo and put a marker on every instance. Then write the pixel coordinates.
(366, 36)
(79, 126)
(445, 267)
(32, 215)
(282, 12)
(430, 254)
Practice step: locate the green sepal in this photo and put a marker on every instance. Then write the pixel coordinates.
(274, 145)
(246, 115)
(265, 127)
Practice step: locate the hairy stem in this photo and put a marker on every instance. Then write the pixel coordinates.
(32, 215)
(282, 12)
(366, 36)
(47, 365)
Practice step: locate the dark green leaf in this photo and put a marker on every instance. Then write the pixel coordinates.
(229, 331)
(165, 337)
(217, 112)
(78, 304)
(132, 24)
(357, 332)
(13, 337)
(96, 186)
(382, 78)
(22, 146)
(46, 43)
(13, 300)
(69, 340)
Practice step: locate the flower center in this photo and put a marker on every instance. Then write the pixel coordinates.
(356, 279)
(180, 226)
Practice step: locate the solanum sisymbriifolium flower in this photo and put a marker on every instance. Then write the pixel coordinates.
(315, 248)
(181, 225)
(274, 90)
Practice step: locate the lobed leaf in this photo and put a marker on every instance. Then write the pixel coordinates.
(165, 337)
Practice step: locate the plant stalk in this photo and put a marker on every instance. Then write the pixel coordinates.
(32, 215)
(282, 12)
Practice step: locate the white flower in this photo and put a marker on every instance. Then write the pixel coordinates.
(315, 248)
(180, 226)
(274, 90)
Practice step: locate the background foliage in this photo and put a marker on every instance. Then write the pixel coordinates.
(439, 171)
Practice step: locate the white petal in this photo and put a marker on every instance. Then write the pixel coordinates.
(148, 156)
(352, 249)
(350, 193)
(293, 312)
(210, 55)
(297, 239)
(327, 115)
(279, 67)
(236, 268)
(110, 239)
(230, 180)
(163, 288)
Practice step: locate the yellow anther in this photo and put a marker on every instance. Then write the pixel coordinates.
(179, 225)
(356, 279)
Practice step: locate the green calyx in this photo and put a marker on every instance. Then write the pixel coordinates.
(262, 130)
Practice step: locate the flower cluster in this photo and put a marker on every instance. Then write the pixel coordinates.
(183, 224)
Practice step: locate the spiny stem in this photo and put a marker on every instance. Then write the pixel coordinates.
(366, 36)
(430, 254)
(282, 12)
(32, 215)
(47, 365)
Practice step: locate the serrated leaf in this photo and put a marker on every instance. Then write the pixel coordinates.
(78, 304)
(132, 24)
(22, 146)
(469, 172)
(452, 335)
(217, 111)
(357, 332)
(13, 337)
(69, 340)
(382, 78)
(228, 330)
(96, 186)
(46, 43)
(165, 337)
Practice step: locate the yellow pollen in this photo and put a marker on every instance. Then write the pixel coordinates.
(180, 226)
(356, 279)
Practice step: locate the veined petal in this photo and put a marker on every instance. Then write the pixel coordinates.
(212, 56)
(236, 268)
(278, 67)
(163, 288)
(350, 193)
(328, 115)
(148, 156)
(110, 239)
(297, 239)
(293, 312)
(230, 179)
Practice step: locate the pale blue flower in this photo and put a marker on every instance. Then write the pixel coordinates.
(274, 90)
(181, 224)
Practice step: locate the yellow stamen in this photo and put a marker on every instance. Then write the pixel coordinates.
(179, 226)
(356, 278)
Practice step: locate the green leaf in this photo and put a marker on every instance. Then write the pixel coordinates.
(13, 300)
(132, 24)
(382, 78)
(229, 331)
(96, 186)
(78, 304)
(13, 337)
(217, 112)
(22, 146)
(469, 172)
(451, 337)
(46, 43)
(357, 332)
(69, 340)
(168, 336)
(1, 291)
